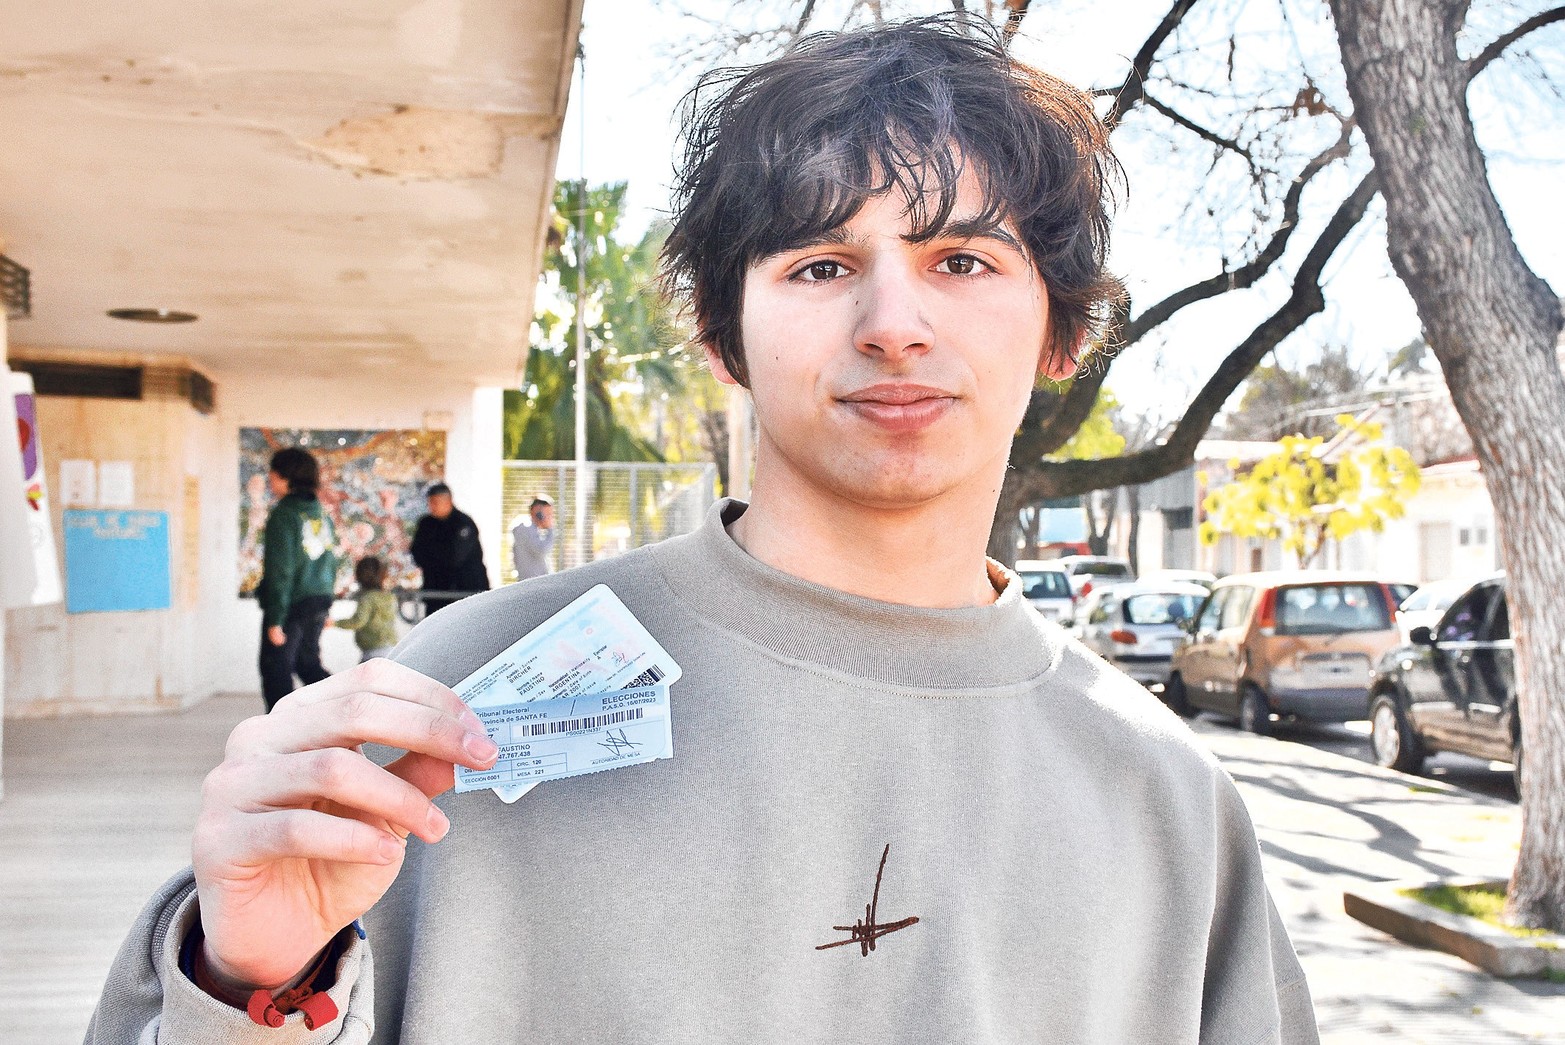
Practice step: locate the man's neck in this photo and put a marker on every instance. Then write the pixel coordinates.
(930, 555)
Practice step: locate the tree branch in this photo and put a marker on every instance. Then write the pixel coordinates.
(1245, 275)
(1016, 10)
(1477, 63)
(1133, 89)
(1190, 125)
(1063, 478)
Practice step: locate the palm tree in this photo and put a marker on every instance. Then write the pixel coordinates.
(634, 344)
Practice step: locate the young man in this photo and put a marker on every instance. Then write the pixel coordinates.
(532, 539)
(901, 806)
(446, 549)
(298, 576)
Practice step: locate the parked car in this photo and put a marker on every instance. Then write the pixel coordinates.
(1090, 571)
(1295, 644)
(1048, 588)
(1425, 607)
(1201, 577)
(1137, 626)
(1453, 688)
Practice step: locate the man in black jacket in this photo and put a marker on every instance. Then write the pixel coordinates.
(446, 549)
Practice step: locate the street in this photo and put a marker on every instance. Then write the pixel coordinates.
(1493, 779)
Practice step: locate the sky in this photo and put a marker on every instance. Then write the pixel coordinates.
(632, 89)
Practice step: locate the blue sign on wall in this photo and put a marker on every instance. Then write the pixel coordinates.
(116, 560)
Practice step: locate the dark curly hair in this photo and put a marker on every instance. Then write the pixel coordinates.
(782, 153)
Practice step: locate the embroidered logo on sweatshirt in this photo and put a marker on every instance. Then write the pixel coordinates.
(317, 537)
(867, 930)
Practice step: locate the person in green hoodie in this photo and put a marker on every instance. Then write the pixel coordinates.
(298, 576)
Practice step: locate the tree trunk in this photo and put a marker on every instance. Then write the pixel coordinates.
(1493, 325)
(1133, 536)
(1007, 520)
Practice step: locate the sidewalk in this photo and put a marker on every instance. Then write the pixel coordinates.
(1327, 822)
(98, 811)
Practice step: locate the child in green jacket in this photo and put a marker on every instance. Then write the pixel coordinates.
(374, 620)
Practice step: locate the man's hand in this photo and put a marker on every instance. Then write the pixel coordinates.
(299, 834)
(276, 636)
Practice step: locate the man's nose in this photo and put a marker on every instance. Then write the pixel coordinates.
(891, 321)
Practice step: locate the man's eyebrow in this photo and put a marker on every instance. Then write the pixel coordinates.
(835, 237)
(974, 228)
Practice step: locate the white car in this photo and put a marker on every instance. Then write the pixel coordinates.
(1425, 606)
(1136, 627)
(1048, 588)
(1201, 577)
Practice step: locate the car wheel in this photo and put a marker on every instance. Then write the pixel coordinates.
(1176, 698)
(1395, 744)
(1255, 715)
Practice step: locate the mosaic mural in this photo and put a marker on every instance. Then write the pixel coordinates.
(372, 487)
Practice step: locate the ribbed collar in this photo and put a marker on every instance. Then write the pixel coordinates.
(978, 647)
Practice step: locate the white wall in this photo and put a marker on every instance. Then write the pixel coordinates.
(472, 469)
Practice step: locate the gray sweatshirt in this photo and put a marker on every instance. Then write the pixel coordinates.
(880, 824)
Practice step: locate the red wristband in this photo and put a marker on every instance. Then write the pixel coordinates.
(269, 1010)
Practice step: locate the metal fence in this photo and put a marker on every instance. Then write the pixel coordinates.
(626, 505)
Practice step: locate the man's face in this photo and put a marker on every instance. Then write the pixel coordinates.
(888, 373)
(440, 505)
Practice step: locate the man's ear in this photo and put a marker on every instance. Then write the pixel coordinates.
(715, 361)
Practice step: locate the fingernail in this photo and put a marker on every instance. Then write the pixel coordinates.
(480, 747)
(439, 823)
(389, 850)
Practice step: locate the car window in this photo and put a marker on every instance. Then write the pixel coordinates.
(1465, 619)
(1499, 618)
(1159, 608)
(1419, 600)
(1045, 584)
(1327, 609)
(1101, 612)
(1402, 592)
(1211, 609)
(1236, 610)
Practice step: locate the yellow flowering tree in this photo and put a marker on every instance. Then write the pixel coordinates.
(1297, 496)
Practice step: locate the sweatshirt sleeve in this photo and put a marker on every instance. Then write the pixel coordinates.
(280, 564)
(1255, 992)
(149, 1001)
(363, 612)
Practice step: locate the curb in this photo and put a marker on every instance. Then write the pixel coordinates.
(1497, 952)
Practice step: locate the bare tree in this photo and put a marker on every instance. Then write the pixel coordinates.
(1493, 324)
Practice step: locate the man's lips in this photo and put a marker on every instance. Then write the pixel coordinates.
(899, 407)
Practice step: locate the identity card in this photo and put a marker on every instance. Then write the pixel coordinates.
(544, 740)
(591, 647)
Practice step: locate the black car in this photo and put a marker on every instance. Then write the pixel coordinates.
(1452, 689)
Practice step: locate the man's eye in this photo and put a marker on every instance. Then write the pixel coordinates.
(819, 271)
(961, 265)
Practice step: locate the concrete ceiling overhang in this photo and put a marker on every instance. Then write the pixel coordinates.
(353, 189)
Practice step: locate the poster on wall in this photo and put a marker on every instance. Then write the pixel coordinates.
(116, 561)
(35, 495)
(372, 488)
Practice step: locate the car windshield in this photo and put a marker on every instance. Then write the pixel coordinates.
(1045, 584)
(1324, 609)
(1160, 608)
(1102, 569)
